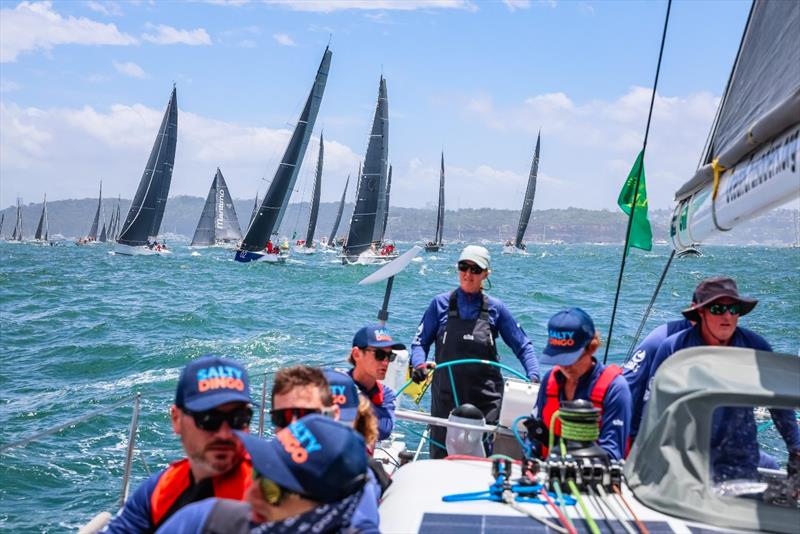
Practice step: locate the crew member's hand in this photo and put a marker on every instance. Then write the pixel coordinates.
(420, 373)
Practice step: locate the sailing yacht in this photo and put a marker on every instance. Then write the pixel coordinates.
(436, 244)
(16, 234)
(307, 245)
(257, 244)
(330, 243)
(91, 237)
(218, 225)
(518, 245)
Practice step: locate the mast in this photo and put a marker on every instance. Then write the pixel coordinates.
(147, 208)
(270, 214)
(440, 211)
(386, 211)
(315, 197)
(530, 192)
(368, 196)
(42, 227)
(331, 239)
(96, 221)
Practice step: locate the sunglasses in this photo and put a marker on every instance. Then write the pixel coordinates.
(382, 355)
(271, 492)
(464, 267)
(284, 417)
(212, 420)
(720, 309)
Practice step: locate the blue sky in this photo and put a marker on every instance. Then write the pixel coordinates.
(83, 86)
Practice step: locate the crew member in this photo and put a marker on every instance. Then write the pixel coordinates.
(370, 356)
(734, 441)
(211, 402)
(571, 344)
(464, 324)
(308, 478)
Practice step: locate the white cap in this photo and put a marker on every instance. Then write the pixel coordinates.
(476, 254)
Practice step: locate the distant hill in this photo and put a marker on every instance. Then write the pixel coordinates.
(72, 218)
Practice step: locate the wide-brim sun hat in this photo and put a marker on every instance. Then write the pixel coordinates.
(712, 289)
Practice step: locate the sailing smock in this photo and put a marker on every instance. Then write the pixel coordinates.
(383, 399)
(637, 370)
(166, 492)
(734, 451)
(616, 418)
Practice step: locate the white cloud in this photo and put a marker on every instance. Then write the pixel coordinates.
(283, 39)
(130, 69)
(328, 6)
(37, 144)
(7, 86)
(35, 25)
(167, 35)
(106, 7)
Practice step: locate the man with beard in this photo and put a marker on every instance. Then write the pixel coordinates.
(211, 402)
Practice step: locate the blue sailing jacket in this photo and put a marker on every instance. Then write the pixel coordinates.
(383, 399)
(734, 434)
(637, 370)
(469, 307)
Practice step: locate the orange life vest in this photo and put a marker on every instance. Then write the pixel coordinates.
(597, 395)
(177, 478)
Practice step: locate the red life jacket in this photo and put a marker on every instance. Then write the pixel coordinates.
(597, 395)
(177, 478)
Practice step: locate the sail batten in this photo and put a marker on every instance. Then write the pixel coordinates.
(530, 193)
(218, 222)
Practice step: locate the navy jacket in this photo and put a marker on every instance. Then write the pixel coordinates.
(469, 307)
(135, 515)
(734, 435)
(384, 410)
(616, 420)
(637, 370)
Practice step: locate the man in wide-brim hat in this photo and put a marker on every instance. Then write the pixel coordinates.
(734, 451)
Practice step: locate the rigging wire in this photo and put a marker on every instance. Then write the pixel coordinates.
(638, 181)
(650, 306)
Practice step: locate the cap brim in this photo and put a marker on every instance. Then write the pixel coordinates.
(207, 402)
(268, 462)
(347, 415)
(747, 306)
(562, 358)
(388, 344)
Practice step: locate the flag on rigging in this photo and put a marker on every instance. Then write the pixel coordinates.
(641, 235)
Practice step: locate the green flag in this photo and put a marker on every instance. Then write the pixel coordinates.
(641, 233)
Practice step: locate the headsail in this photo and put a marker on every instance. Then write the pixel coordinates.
(315, 197)
(530, 192)
(270, 214)
(147, 208)
(368, 197)
(218, 221)
(92, 235)
(42, 229)
(386, 204)
(103, 234)
(332, 238)
(440, 212)
(748, 163)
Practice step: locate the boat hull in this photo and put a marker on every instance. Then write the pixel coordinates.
(247, 256)
(127, 250)
(300, 249)
(433, 248)
(367, 258)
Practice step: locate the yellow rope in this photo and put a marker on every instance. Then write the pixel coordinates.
(718, 169)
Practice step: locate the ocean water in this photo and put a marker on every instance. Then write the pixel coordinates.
(81, 329)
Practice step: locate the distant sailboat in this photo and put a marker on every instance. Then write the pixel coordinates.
(270, 214)
(366, 224)
(43, 228)
(332, 238)
(518, 246)
(2, 220)
(16, 235)
(436, 244)
(114, 225)
(140, 230)
(91, 237)
(308, 246)
(218, 224)
(254, 212)
(103, 235)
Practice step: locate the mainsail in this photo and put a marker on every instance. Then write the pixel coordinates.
(440, 212)
(749, 162)
(147, 208)
(218, 221)
(92, 235)
(270, 214)
(315, 196)
(363, 225)
(332, 238)
(43, 228)
(530, 192)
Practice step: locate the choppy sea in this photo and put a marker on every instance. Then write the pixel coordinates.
(81, 329)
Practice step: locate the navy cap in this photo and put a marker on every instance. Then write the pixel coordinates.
(375, 335)
(345, 394)
(568, 333)
(315, 456)
(210, 381)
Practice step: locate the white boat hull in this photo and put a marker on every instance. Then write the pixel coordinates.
(300, 249)
(127, 250)
(368, 258)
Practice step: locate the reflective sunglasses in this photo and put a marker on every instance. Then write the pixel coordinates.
(285, 416)
(464, 267)
(382, 355)
(211, 420)
(271, 492)
(720, 309)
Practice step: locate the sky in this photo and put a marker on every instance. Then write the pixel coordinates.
(84, 84)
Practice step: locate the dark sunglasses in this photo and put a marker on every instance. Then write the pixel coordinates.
(720, 309)
(382, 355)
(464, 267)
(212, 420)
(284, 417)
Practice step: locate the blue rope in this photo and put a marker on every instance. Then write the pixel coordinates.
(453, 386)
(525, 446)
(421, 435)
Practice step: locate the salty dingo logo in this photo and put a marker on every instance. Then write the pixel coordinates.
(339, 394)
(220, 377)
(559, 338)
(381, 335)
(298, 441)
